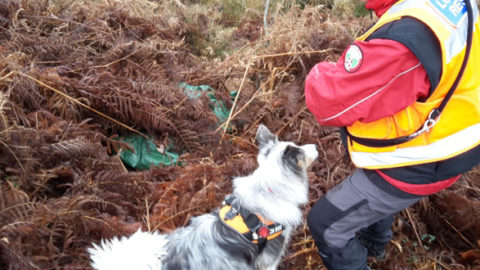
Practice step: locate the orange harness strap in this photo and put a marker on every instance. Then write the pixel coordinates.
(253, 227)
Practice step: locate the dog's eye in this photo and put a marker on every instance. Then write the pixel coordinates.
(294, 158)
(293, 153)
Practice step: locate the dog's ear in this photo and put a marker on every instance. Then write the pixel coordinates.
(294, 158)
(264, 136)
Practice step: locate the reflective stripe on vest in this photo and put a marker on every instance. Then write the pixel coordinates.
(458, 127)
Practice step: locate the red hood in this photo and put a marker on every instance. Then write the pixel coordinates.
(379, 6)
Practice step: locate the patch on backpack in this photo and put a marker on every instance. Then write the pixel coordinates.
(454, 11)
(353, 58)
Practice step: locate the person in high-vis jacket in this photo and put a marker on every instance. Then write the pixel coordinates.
(407, 96)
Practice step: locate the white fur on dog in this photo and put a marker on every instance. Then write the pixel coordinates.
(145, 247)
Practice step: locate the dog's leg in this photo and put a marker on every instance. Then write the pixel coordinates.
(269, 267)
(273, 267)
(273, 252)
(269, 261)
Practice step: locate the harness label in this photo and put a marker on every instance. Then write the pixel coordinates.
(276, 229)
(454, 11)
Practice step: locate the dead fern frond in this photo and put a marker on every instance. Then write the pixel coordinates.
(71, 148)
(14, 203)
(13, 258)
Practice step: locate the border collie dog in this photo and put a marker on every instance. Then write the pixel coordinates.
(251, 230)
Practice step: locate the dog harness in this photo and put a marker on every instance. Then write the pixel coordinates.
(254, 228)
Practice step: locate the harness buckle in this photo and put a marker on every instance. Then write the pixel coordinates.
(231, 214)
(228, 200)
(431, 121)
(263, 232)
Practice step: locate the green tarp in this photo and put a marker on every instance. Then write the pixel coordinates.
(217, 106)
(145, 154)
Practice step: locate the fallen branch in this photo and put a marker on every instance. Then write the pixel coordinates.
(414, 229)
(458, 232)
(289, 53)
(303, 251)
(236, 99)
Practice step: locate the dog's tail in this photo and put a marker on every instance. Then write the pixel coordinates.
(142, 250)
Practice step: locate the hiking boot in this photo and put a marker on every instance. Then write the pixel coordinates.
(352, 256)
(376, 236)
(374, 249)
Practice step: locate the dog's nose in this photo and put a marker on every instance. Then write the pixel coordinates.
(310, 151)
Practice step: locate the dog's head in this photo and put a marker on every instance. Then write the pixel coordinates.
(285, 156)
(279, 185)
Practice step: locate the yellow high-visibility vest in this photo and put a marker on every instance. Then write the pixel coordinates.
(458, 128)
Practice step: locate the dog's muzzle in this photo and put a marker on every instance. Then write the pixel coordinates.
(311, 153)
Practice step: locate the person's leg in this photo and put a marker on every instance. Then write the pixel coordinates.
(376, 236)
(354, 204)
